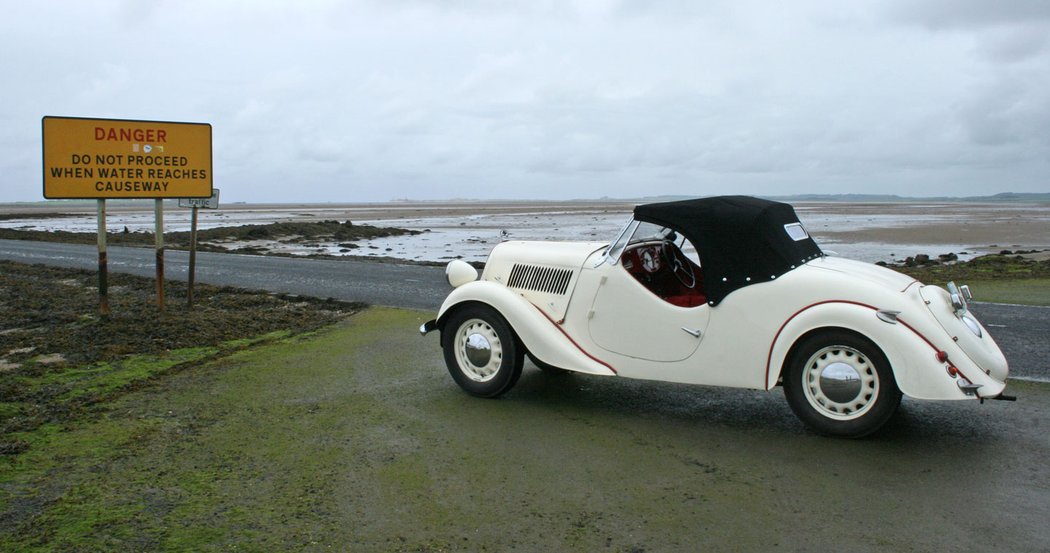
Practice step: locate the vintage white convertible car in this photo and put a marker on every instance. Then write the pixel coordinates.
(724, 291)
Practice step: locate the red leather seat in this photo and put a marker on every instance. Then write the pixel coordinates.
(690, 300)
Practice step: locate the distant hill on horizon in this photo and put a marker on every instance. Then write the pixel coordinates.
(873, 198)
(1001, 197)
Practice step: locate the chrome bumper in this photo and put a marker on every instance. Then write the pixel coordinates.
(427, 327)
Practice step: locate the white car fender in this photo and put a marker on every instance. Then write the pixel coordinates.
(542, 336)
(959, 366)
(920, 375)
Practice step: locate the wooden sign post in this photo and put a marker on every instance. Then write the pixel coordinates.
(196, 203)
(103, 262)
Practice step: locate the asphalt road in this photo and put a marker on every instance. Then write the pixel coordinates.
(1021, 331)
(389, 284)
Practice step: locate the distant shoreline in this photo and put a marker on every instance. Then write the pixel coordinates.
(467, 204)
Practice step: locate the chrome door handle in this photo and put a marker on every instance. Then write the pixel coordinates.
(691, 332)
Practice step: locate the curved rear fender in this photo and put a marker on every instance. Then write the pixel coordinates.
(917, 370)
(539, 334)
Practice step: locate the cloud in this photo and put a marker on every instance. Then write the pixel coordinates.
(968, 14)
(1020, 43)
(370, 100)
(1008, 112)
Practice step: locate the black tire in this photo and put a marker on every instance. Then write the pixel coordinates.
(546, 367)
(481, 352)
(840, 384)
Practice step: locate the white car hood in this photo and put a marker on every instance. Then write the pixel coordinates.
(544, 273)
(565, 255)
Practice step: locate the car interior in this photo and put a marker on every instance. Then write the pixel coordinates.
(665, 270)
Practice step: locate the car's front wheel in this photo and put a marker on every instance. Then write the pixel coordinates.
(840, 384)
(481, 351)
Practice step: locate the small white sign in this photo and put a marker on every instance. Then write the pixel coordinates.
(206, 203)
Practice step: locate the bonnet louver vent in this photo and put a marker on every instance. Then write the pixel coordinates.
(540, 279)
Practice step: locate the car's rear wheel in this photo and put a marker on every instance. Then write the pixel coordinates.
(481, 351)
(840, 384)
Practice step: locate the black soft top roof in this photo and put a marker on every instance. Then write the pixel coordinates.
(741, 240)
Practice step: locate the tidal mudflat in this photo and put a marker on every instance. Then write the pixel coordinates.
(469, 230)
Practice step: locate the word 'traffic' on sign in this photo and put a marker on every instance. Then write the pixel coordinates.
(206, 203)
(115, 158)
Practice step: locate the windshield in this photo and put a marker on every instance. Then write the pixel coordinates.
(638, 232)
(647, 232)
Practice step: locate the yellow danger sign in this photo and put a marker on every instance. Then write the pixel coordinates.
(115, 158)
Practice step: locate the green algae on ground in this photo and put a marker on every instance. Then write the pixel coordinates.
(66, 393)
(58, 357)
(52, 497)
(355, 439)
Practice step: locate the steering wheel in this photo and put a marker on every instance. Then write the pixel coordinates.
(650, 258)
(681, 268)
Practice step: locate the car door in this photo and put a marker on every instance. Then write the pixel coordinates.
(628, 319)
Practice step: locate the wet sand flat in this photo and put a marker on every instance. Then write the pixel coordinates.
(469, 229)
(987, 225)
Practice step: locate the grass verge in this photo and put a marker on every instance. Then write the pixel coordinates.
(998, 278)
(1021, 291)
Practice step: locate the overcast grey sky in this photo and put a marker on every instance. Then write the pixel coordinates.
(374, 100)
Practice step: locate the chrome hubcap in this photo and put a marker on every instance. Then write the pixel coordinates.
(840, 382)
(479, 351)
